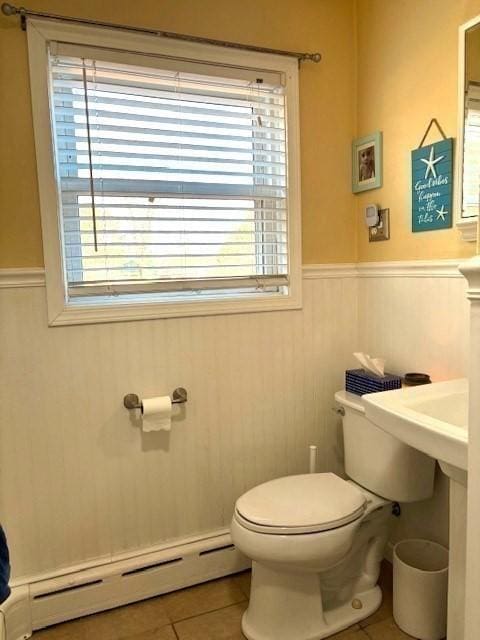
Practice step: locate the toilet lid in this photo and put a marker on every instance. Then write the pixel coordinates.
(300, 504)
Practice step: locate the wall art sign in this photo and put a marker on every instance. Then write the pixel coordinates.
(432, 186)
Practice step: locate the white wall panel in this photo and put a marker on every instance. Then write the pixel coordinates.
(78, 479)
(418, 323)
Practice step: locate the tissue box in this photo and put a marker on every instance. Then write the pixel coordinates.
(361, 382)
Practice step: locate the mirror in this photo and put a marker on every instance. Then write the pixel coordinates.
(468, 153)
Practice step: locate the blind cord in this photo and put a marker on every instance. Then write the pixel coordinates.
(90, 163)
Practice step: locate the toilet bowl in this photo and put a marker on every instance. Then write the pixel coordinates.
(316, 540)
(312, 578)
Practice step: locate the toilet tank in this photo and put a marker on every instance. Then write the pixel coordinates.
(378, 461)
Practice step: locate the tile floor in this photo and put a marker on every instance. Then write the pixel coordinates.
(210, 611)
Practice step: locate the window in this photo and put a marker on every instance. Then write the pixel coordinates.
(171, 189)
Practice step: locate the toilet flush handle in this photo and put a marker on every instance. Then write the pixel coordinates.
(339, 410)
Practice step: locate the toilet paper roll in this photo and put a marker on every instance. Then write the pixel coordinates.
(156, 414)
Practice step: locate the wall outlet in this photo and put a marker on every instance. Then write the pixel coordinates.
(382, 230)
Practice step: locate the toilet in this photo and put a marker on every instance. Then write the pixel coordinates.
(316, 541)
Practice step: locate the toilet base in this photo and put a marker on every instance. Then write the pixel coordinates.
(330, 622)
(296, 613)
(345, 616)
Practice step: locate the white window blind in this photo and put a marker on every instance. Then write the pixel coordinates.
(471, 162)
(172, 175)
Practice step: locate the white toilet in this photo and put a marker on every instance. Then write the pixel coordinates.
(316, 541)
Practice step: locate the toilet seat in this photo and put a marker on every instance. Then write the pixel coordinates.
(308, 503)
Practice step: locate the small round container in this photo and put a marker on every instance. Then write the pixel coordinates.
(420, 584)
(416, 379)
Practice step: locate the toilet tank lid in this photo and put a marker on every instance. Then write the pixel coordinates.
(303, 503)
(350, 400)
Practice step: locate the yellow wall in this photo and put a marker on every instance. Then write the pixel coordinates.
(327, 107)
(407, 74)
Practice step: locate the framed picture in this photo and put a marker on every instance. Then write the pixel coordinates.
(367, 163)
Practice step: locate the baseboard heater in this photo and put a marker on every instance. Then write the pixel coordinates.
(120, 582)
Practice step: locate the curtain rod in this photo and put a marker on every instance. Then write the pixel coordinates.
(11, 10)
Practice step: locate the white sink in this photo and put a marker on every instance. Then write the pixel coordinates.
(432, 418)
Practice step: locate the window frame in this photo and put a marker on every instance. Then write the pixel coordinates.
(62, 312)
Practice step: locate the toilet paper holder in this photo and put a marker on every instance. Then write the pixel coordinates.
(132, 401)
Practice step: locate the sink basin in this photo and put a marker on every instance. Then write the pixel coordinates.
(432, 418)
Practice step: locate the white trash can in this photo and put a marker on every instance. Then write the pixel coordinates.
(420, 585)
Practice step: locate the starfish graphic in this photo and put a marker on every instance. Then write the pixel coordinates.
(442, 212)
(431, 162)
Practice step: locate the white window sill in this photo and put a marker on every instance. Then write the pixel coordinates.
(81, 313)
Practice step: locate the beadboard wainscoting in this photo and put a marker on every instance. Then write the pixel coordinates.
(80, 483)
(416, 315)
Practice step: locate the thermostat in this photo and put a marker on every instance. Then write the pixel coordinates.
(371, 215)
